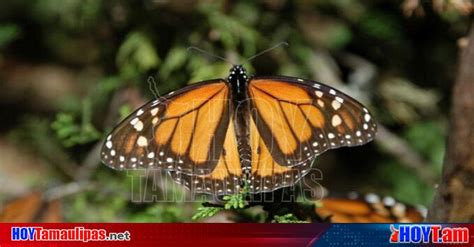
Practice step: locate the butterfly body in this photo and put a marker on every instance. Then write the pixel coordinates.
(238, 81)
(215, 135)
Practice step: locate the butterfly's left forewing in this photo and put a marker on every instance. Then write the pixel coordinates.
(300, 119)
(182, 131)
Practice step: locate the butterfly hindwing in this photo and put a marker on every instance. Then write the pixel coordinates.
(225, 178)
(368, 209)
(267, 175)
(300, 119)
(182, 131)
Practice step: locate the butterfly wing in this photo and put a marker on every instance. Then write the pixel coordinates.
(225, 178)
(300, 119)
(370, 209)
(267, 174)
(182, 131)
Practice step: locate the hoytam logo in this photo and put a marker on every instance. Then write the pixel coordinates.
(71, 234)
(428, 234)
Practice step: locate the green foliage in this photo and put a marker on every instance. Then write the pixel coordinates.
(232, 202)
(8, 33)
(72, 133)
(428, 139)
(71, 14)
(205, 212)
(381, 26)
(288, 218)
(232, 31)
(159, 212)
(176, 59)
(136, 55)
(235, 201)
(338, 37)
(403, 184)
(124, 111)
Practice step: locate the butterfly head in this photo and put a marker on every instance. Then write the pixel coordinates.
(237, 74)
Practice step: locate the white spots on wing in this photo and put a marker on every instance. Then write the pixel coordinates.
(162, 153)
(112, 152)
(319, 93)
(138, 126)
(154, 121)
(336, 120)
(320, 103)
(133, 159)
(121, 158)
(316, 85)
(108, 144)
(331, 135)
(332, 91)
(151, 155)
(142, 141)
(348, 136)
(134, 121)
(171, 93)
(139, 112)
(154, 111)
(315, 144)
(299, 79)
(372, 198)
(358, 133)
(365, 110)
(169, 159)
(156, 102)
(398, 209)
(388, 201)
(336, 104)
(367, 117)
(365, 126)
(339, 99)
(109, 137)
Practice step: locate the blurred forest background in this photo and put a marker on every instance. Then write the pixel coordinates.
(70, 70)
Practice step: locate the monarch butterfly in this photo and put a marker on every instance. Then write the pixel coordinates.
(216, 135)
(368, 209)
(31, 207)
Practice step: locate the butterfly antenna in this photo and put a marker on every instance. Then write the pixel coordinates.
(209, 54)
(267, 50)
(152, 86)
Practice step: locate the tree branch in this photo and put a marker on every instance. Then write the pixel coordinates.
(454, 199)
